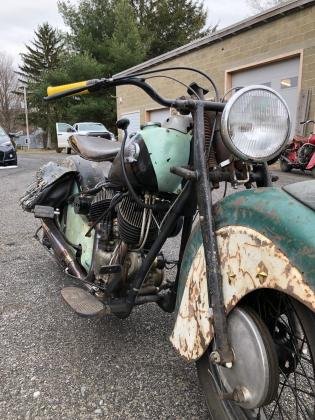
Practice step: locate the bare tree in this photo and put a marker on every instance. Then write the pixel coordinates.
(259, 6)
(10, 101)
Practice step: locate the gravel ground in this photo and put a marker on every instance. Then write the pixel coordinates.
(55, 365)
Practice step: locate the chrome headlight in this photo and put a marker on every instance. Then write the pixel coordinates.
(255, 123)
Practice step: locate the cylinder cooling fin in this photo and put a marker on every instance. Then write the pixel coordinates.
(100, 203)
(130, 222)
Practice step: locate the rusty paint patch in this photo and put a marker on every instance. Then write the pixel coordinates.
(249, 261)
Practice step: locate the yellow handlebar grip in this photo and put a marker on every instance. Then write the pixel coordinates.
(52, 90)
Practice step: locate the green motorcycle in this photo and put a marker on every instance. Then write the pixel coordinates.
(244, 289)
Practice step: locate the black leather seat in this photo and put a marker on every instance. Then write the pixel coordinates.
(303, 191)
(94, 148)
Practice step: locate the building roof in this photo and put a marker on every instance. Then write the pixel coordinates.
(241, 26)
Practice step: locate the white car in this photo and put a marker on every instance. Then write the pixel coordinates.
(93, 129)
(64, 131)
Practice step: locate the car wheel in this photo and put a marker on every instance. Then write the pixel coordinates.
(68, 150)
(284, 166)
(59, 150)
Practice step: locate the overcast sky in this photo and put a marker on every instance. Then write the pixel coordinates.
(19, 18)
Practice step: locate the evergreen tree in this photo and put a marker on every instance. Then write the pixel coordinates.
(91, 24)
(93, 107)
(125, 47)
(173, 23)
(42, 54)
(161, 24)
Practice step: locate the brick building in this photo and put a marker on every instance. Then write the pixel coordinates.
(275, 48)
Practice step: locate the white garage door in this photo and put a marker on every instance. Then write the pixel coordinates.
(134, 118)
(159, 115)
(281, 76)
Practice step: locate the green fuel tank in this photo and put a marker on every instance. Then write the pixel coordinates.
(152, 151)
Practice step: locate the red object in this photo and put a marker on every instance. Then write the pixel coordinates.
(311, 163)
(300, 153)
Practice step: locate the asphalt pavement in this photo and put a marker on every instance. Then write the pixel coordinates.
(56, 365)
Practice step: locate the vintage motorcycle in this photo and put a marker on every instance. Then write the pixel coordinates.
(300, 153)
(244, 288)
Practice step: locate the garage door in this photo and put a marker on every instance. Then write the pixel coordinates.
(281, 76)
(134, 118)
(159, 115)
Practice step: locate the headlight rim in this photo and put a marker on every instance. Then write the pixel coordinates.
(225, 118)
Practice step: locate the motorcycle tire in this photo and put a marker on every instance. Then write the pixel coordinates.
(284, 166)
(313, 172)
(211, 384)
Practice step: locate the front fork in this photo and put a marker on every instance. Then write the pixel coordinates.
(223, 353)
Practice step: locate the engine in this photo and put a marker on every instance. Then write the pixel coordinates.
(138, 227)
(124, 233)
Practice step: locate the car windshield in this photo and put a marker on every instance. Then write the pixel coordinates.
(4, 138)
(91, 127)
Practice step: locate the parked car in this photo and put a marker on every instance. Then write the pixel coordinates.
(64, 131)
(93, 129)
(7, 150)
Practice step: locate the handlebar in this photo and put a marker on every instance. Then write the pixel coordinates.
(56, 92)
(307, 122)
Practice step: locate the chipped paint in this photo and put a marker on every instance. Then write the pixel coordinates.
(249, 261)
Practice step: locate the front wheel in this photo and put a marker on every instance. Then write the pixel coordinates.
(273, 339)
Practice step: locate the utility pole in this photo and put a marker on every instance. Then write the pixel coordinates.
(26, 118)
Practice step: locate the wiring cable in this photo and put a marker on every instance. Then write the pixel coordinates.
(178, 68)
(175, 80)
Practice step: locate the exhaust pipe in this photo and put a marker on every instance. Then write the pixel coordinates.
(61, 248)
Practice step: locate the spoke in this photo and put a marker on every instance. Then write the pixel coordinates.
(305, 358)
(300, 357)
(279, 396)
(304, 376)
(296, 400)
(301, 364)
(296, 390)
(311, 394)
(281, 410)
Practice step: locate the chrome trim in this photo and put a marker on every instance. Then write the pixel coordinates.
(225, 117)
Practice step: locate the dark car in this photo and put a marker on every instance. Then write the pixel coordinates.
(7, 150)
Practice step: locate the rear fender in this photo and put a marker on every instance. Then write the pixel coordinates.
(89, 173)
(266, 239)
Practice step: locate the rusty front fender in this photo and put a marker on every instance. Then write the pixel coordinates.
(269, 243)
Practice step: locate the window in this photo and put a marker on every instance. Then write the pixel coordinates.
(63, 127)
(289, 82)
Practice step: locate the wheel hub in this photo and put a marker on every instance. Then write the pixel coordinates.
(287, 357)
(255, 369)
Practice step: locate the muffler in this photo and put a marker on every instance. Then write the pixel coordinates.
(61, 249)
